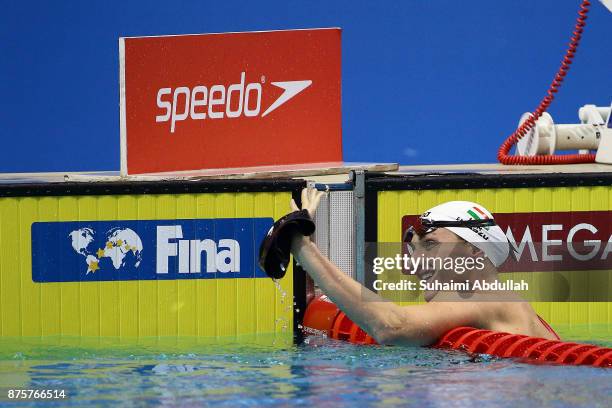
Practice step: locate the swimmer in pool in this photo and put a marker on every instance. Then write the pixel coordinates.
(453, 229)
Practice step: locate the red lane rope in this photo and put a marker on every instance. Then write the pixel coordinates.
(503, 154)
(324, 317)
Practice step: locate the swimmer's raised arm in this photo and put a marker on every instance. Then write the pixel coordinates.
(385, 321)
(389, 323)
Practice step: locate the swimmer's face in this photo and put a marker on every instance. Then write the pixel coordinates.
(439, 244)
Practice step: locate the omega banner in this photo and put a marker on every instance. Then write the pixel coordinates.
(192, 102)
(554, 241)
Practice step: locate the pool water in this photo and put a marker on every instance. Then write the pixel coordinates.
(271, 371)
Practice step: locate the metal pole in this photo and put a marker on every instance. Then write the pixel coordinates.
(358, 177)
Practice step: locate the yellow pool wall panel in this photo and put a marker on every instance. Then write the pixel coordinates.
(137, 308)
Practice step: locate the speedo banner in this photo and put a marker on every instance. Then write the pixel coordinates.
(553, 241)
(146, 250)
(192, 102)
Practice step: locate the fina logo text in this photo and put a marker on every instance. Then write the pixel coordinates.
(218, 101)
(222, 257)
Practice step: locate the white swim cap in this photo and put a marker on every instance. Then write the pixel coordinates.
(490, 239)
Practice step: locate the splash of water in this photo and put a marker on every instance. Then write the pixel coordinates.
(282, 320)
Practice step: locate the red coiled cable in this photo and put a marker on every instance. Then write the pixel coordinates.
(503, 153)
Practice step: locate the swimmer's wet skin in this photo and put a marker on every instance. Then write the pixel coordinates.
(423, 325)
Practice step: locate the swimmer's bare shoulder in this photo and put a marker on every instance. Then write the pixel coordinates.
(423, 324)
(508, 312)
(498, 312)
(516, 317)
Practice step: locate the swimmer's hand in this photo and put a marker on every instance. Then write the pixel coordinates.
(310, 201)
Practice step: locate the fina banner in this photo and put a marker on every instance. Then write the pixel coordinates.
(147, 250)
(211, 101)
